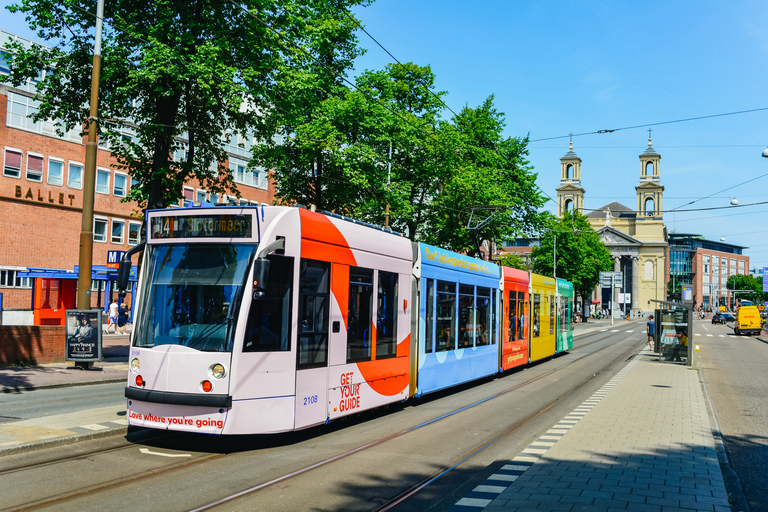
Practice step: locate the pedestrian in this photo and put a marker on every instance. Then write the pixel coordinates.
(650, 329)
(112, 317)
(122, 317)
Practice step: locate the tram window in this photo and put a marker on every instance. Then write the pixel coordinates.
(359, 318)
(445, 322)
(552, 313)
(314, 294)
(193, 294)
(269, 320)
(522, 308)
(483, 322)
(386, 316)
(467, 316)
(430, 327)
(513, 316)
(536, 315)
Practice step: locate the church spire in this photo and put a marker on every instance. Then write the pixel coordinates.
(570, 195)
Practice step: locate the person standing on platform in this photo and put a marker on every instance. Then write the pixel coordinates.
(112, 317)
(650, 328)
(122, 317)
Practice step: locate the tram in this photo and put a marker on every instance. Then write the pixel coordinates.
(272, 319)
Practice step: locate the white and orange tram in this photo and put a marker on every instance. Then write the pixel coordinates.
(271, 319)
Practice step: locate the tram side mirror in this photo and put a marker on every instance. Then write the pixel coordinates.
(123, 276)
(260, 276)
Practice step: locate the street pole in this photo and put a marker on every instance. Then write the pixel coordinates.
(613, 288)
(89, 180)
(389, 172)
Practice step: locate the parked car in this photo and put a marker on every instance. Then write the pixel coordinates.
(721, 318)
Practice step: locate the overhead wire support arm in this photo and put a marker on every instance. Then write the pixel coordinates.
(473, 229)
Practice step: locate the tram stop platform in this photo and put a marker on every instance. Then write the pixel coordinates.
(643, 442)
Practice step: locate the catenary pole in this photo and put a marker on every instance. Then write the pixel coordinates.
(89, 179)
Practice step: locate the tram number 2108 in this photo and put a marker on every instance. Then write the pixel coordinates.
(308, 400)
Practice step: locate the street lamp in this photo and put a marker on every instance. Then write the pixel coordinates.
(765, 153)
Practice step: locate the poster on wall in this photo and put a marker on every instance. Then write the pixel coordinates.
(83, 335)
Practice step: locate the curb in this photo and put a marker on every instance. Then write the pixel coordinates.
(61, 441)
(33, 387)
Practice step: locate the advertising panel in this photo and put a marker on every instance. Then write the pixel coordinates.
(83, 335)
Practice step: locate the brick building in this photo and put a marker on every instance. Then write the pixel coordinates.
(41, 198)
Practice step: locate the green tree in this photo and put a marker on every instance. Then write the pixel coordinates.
(377, 144)
(513, 260)
(580, 254)
(746, 282)
(178, 77)
(493, 171)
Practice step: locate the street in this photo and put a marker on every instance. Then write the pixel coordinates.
(733, 370)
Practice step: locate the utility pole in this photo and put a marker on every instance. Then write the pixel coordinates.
(89, 180)
(389, 172)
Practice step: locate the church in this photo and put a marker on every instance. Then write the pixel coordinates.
(636, 238)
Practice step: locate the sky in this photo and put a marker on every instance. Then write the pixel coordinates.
(556, 68)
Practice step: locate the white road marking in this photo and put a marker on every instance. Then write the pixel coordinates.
(146, 451)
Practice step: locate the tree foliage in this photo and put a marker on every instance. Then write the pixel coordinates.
(178, 77)
(581, 255)
(746, 282)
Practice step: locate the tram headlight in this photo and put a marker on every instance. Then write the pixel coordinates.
(218, 371)
(135, 365)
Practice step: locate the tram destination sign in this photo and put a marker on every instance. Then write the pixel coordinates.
(201, 226)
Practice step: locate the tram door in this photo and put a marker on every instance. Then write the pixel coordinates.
(312, 350)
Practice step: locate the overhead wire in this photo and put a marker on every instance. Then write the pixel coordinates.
(652, 124)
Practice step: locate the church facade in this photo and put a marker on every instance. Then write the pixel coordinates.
(636, 238)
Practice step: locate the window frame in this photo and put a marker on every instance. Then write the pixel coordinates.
(5, 160)
(107, 233)
(61, 176)
(42, 167)
(124, 176)
(102, 171)
(112, 225)
(138, 232)
(69, 174)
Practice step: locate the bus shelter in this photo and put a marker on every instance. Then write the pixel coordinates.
(673, 336)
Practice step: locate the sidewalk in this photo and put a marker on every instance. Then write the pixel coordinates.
(643, 442)
(36, 433)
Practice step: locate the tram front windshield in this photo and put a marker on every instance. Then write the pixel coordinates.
(191, 295)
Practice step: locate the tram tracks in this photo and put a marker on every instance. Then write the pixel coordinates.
(59, 499)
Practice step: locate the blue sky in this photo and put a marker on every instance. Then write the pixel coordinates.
(577, 67)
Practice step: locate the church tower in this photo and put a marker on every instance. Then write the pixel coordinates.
(650, 190)
(570, 194)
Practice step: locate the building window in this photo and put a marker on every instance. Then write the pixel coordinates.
(189, 196)
(649, 168)
(100, 229)
(200, 196)
(55, 172)
(12, 166)
(134, 233)
(34, 168)
(75, 176)
(741, 266)
(102, 181)
(255, 177)
(118, 231)
(9, 279)
(121, 183)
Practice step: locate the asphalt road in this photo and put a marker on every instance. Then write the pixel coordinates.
(44, 402)
(734, 371)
